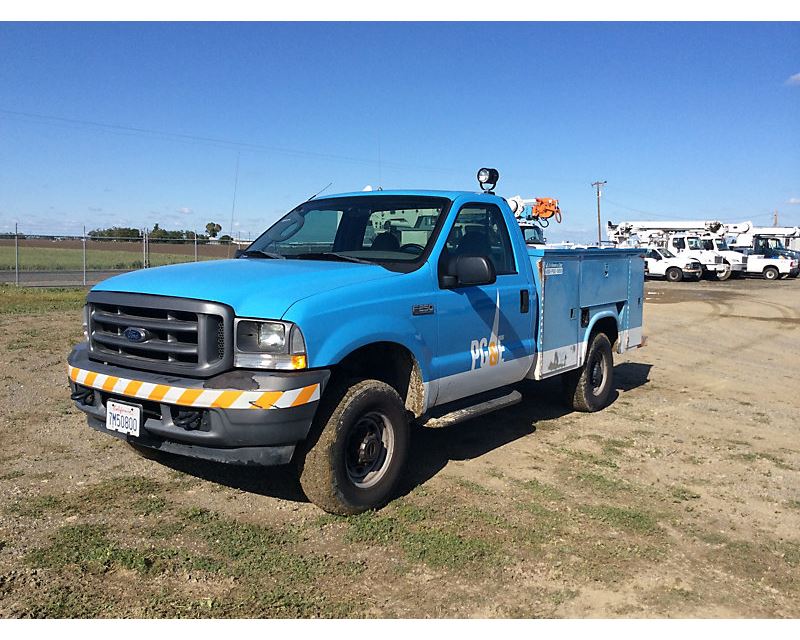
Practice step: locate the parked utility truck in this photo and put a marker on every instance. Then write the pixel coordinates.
(697, 240)
(317, 347)
(769, 249)
(660, 262)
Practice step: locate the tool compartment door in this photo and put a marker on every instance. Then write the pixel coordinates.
(604, 278)
(635, 305)
(558, 274)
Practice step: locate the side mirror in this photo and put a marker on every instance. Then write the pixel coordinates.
(468, 271)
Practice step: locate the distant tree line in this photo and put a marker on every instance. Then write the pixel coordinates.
(129, 234)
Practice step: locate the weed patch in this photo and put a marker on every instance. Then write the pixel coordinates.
(622, 518)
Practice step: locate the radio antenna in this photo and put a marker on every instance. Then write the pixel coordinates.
(321, 190)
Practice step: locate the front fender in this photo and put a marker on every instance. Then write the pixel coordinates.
(336, 323)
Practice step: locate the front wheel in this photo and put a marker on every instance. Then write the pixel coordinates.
(588, 389)
(674, 274)
(722, 276)
(357, 448)
(771, 273)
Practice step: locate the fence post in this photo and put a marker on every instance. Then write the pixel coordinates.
(84, 256)
(144, 248)
(16, 255)
(195, 246)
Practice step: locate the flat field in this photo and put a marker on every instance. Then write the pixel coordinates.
(681, 499)
(67, 255)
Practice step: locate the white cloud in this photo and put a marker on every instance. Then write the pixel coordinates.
(185, 210)
(793, 201)
(793, 81)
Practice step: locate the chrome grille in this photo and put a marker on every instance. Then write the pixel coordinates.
(189, 337)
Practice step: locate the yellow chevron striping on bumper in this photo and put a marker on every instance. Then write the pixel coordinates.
(194, 397)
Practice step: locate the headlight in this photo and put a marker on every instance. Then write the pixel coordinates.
(269, 344)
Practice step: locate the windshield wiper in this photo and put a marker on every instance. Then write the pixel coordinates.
(258, 253)
(330, 255)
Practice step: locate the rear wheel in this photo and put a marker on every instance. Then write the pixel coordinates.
(771, 273)
(674, 274)
(589, 388)
(357, 448)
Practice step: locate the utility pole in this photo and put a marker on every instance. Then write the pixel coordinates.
(84, 255)
(775, 218)
(16, 253)
(233, 204)
(597, 185)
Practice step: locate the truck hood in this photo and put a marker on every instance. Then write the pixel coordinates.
(253, 287)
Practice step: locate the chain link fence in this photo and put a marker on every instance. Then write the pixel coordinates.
(47, 260)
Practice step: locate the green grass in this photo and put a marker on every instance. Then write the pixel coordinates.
(633, 520)
(136, 491)
(36, 506)
(60, 259)
(591, 458)
(599, 483)
(442, 533)
(88, 547)
(472, 487)
(540, 490)
(754, 456)
(19, 300)
(682, 494)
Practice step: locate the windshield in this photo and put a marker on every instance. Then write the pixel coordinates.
(533, 235)
(666, 252)
(693, 243)
(722, 245)
(358, 228)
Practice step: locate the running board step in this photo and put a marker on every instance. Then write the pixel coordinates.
(473, 411)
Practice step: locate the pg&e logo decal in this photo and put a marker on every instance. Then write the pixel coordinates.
(488, 351)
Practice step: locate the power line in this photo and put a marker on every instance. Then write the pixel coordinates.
(207, 140)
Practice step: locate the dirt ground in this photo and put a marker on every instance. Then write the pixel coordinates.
(682, 499)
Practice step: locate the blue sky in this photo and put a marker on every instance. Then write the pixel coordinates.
(684, 120)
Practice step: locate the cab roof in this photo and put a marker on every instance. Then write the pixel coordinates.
(450, 195)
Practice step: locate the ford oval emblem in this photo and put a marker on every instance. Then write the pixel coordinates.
(135, 334)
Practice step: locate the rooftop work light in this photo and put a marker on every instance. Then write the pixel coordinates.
(488, 178)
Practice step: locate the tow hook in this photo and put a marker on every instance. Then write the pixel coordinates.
(83, 395)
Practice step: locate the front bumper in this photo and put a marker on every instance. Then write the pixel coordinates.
(242, 416)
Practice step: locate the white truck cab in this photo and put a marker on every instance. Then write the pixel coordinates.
(736, 260)
(691, 246)
(533, 233)
(660, 262)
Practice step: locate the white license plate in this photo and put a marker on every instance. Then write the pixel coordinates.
(122, 417)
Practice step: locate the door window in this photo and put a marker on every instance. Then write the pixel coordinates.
(480, 230)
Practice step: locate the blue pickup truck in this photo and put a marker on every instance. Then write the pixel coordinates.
(319, 343)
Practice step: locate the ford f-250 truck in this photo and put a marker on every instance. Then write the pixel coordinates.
(318, 347)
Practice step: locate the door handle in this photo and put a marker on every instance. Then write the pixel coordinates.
(524, 301)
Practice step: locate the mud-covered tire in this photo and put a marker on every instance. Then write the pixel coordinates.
(589, 388)
(771, 273)
(357, 448)
(674, 274)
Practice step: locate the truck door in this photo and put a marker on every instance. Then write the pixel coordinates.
(486, 331)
